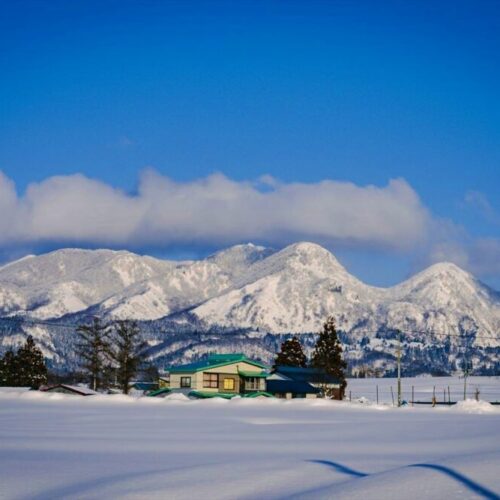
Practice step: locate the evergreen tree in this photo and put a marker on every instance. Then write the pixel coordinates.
(128, 353)
(8, 370)
(291, 354)
(94, 350)
(31, 369)
(26, 368)
(327, 355)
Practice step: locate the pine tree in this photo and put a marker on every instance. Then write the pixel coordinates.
(26, 368)
(31, 369)
(94, 350)
(327, 355)
(291, 354)
(8, 370)
(128, 353)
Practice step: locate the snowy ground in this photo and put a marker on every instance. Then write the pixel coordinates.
(57, 446)
(423, 387)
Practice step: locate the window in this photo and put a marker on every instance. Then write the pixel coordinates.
(229, 384)
(211, 380)
(185, 381)
(252, 384)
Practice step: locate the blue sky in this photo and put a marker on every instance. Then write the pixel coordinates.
(303, 92)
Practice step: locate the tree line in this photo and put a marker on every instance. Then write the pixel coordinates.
(110, 354)
(326, 356)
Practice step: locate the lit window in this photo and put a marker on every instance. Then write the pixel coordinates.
(229, 384)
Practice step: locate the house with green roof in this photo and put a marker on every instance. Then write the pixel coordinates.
(224, 375)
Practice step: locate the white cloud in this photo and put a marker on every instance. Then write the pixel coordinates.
(485, 257)
(214, 210)
(479, 201)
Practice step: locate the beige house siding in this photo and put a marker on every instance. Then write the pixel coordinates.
(234, 368)
(175, 380)
(226, 371)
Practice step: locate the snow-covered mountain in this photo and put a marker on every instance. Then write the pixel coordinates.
(252, 289)
(119, 284)
(295, 289)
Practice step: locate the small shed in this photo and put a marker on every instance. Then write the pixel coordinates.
(289, 389)
(314, 377)
(76, 390)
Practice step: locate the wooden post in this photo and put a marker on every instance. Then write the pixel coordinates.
(412, 394)
(449, 398)
(444, 395)
(377, 393)
(350, 396)
(392, 396)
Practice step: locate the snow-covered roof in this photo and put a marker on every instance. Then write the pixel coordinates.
(77, 389)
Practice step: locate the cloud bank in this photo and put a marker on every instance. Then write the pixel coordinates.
(211, 211)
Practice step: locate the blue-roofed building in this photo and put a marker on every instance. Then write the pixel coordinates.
(222, 374)
(296, 382)
(287, 388)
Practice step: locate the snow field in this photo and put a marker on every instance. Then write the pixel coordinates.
(488, 387)
(59, 446)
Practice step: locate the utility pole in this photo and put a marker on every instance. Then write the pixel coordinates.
(399, 368)
(467, 367)
(466, 373)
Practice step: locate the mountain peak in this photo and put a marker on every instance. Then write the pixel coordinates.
(440, 271)
(310, 254)
(238, 258)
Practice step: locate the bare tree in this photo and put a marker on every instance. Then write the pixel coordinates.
(94, 349)
(128, 352)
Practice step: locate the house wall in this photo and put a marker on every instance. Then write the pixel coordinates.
(227, 370)
(175, 380)
(234, 368)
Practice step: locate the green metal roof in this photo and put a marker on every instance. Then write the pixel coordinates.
(206, 395)
(246, 373)
(215, 361)
(159, 392)
(257, 394)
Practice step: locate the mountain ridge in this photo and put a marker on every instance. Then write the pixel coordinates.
(248, 288)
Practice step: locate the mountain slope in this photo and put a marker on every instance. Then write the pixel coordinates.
(117, 283)
(71, 280)
(251, 296)
(291, 291)
(295, 289)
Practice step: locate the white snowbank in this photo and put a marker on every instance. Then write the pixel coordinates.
(174, 397)
(13, 390)
(473, 406)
